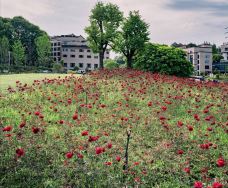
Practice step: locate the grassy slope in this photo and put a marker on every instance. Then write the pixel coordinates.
(10, 80)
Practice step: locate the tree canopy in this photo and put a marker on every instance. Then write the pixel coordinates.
(105, 20)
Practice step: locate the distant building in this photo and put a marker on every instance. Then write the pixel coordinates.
(74, 51)
(224, 51)
(200, 57)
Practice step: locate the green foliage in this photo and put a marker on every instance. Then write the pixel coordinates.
(111, 64)
(4, 50)
(217, 58)
(57, 68)
(43, 48)
(76, 68)
(18, 53)
(133, 37)
(22, 30)
(104, 22)
(163, 59)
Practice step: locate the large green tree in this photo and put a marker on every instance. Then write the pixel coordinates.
(163, 59)
(18, 53)
(4, 50)
(133, 37)
(105, 20)
(43, 47)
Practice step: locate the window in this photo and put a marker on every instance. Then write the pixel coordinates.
(80, 56)
(65, 64)
(95, 66)
(198, 61)
(54, 53)
(55, 49)
(81, 65)
(226, 49)
(207, 56)
(88, 50)
(207, 61)
(88, 65)
(81, 50)
(72, 50)
(207, 67)
(58, 53)
(72, 55)
(198, 67)
(88, 56)
(64, 55)
(107, 52)
(58, 48)
(55, 44)
(107, 57)
(72, 65)
(95, 57)
(198, 56)
(59, 58)
(54, 58)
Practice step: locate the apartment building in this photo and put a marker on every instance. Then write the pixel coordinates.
(201, 58)
(224, 51)
(74, 51)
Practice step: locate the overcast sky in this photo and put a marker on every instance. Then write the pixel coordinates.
(170, 20)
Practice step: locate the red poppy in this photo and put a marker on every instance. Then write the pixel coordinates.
(61, 121)
(35, 130)
(85, 133)
(7, 128)
(108, 163)
(69, 155)
(187, 170)
(20, 152)
(93, 138)
(198, 184)
(190, 128)
(109, 145)
(149, 103)
(220, 162)
(99, 150)
(22, 124)
(217, 185)
(164, 108)
(180, 152)
(37, 113)
(80, 156)
(75, 116)
(118, 158)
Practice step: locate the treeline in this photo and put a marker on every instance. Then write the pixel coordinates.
(129, 36)
(23, 45)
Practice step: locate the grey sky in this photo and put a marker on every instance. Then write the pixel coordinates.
(170, 20)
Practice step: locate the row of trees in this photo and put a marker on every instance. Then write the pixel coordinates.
(108, 27)
(130, 37)
(23, 44)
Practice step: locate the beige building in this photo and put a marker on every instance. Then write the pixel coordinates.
(200, 57)
(74, 51)
(224, 51)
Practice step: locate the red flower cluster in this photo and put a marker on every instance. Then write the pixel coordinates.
(7, 128)
(20, 152)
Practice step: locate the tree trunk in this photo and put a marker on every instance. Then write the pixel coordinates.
(129, 62)
(101, 59)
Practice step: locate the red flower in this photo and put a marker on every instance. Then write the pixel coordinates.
(164, 108)
(109, 145)
(187, 170)
(149, 103)
(102, 105)
(93, 138)
(22, 124)
(20, 152)
(85, 133)
(180, 124)
(37, 113)
(198, 184)
(118, 158)
(99, 150)
(217, 185)
(75, 116)
(69, 155)
(80, 156)
(136, 163)
(190, 128)
(108, 163)
(61, 121)
(7, 128)
(35, 130)
(220, 162)
(162, 118)
(180, 152)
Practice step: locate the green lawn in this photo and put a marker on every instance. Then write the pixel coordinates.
(10, 79)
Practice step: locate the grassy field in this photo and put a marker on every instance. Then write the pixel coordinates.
(117, 128)
(10, 79)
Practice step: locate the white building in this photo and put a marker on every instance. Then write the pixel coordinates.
(224, 51)
(74, 51)
(201, 58)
